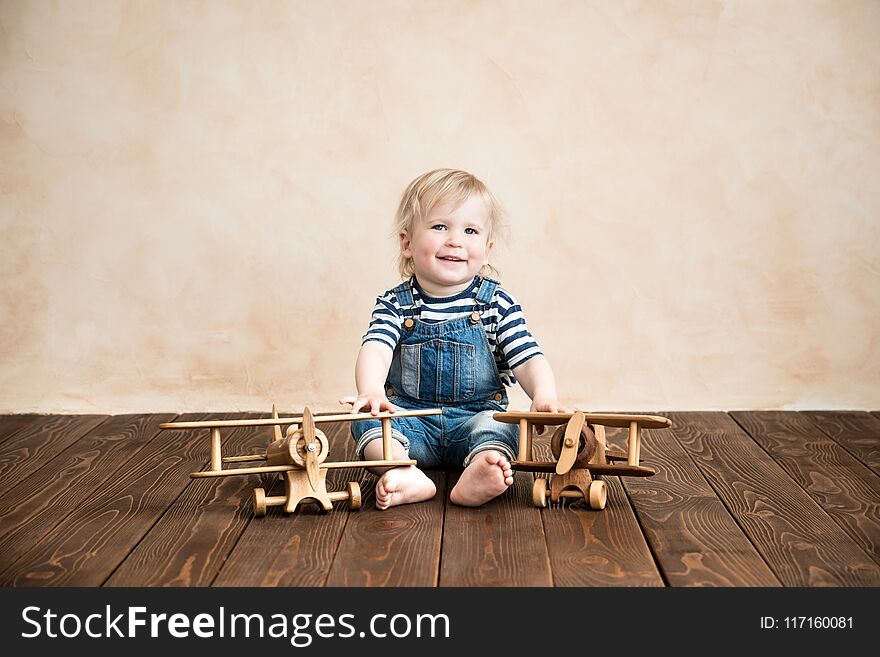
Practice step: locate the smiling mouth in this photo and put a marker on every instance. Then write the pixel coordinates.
(451, 259)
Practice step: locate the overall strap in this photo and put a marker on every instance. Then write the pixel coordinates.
(486, 291)
(404, 295)
(483, 296)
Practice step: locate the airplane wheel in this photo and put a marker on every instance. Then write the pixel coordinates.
(259, 502)
(598, 495)
(354, 496)
(539, 493)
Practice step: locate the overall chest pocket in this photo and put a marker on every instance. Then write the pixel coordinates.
(438, 370)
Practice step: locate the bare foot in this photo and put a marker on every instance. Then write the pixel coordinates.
(403, 485)
(488, 475)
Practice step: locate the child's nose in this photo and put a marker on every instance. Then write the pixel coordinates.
(453, 238)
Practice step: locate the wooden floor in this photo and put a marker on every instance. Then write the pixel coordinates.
(741, 499)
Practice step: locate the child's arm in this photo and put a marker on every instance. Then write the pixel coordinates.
(370, 372)
(536, 378)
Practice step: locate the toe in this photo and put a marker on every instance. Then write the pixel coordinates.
(383, 497)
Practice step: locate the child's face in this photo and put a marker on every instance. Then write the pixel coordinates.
(450, 247)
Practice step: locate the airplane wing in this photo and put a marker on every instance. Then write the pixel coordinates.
(296, 419)
(605, 419)
(609, 469)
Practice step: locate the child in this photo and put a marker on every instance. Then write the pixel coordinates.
(446, 337)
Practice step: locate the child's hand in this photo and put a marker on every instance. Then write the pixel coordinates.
(376, 403)
(546, 406)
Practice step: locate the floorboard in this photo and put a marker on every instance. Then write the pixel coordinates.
(746, 499)
(842, 485)
(595, 548)
(857, 432)
(796, 538)
(35, 444)
(599, 548)
(190, 542)
(502, 544)
(85, 548)
(692, 535)
(99, 534)
(399, 546)
(12, 424)
(54, 492)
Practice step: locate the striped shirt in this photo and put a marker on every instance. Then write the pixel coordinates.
(509, 338)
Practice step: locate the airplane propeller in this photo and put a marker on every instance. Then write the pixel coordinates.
(311, 446)
(570, 443)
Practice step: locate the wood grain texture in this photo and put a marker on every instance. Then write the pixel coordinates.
(796, 538)
(295, 549)
(12, 424)
(82, 510)
(52, 493)
(85, 548)
(857, 432)
(596, 548)
(399, 546)
(501, 543)
(35, 444)
(192, 539)
(841, 484)
(692, 535)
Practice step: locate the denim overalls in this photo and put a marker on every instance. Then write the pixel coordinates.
(447, 365)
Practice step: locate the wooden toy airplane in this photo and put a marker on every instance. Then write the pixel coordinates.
(581, 453)
(300, 455)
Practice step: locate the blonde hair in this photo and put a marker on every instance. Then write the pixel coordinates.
(438, 187)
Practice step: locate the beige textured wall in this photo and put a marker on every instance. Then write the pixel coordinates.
(197, 196)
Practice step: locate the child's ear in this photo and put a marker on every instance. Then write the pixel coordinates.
(404, 244)
(489, 250)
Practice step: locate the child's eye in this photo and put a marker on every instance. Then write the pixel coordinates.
(438, 227)
(470, 231)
